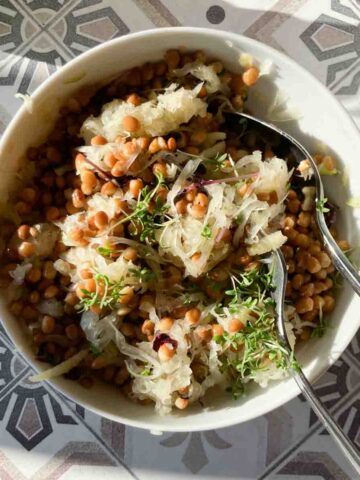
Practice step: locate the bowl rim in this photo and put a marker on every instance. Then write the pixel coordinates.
(326, 361)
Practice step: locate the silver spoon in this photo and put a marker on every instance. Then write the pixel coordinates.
(279, 273)
(298, 152)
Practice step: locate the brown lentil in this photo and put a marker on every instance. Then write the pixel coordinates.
(98, 140)
(33, 275)
(51, 292)
(192, 316)
(121, 376)
(26, 249)
(130, 254)
(72, 331)
(165, 324)
(181, 403)
(23, 232)
(235, 325)
(134, 99)
(148, 327)
(47, 324)
(34, 297)
(49, 271)
(204, 332)
(131, 124)
(250, 76)
(166, 352)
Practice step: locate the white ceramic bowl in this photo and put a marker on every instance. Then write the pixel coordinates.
(323, 121)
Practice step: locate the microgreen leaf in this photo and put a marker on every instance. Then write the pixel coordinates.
(239, 219)
(94, 350)
(216, 163)
(320, 205)
(107, 294)
(320, 328)
(104, 251)
(144, 274)
(256, 346)
(147, 213)
(206, 231)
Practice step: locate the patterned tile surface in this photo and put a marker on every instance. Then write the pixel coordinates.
(44, 436)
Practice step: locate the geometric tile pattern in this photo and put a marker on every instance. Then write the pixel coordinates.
(45, 436)
(38, 37)
(195, 457)
(333, 38)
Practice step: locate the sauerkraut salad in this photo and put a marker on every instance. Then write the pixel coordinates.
(139, 251)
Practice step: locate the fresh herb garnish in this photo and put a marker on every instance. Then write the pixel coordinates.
(237, 388)
(105, 251)
(107, 294)
(147, 213)
(146, 372)
(192, 294)
(216, 163)
(321, 327)
(144, 275)
(187, 298)
(256, 346)
(320, 205)
(239, 219)
(94, 350)
(206, 231)
(252, 285)
(319, 330)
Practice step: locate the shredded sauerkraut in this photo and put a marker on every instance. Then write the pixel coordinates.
(60, 369)
(183, 236)
(157, 117)
(205, 73)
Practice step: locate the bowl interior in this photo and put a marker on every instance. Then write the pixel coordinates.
(321, 124)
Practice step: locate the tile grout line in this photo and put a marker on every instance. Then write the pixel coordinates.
(316, 426)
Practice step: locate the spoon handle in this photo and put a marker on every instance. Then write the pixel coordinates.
(278, 269)
(338, 257)
(345, 444)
